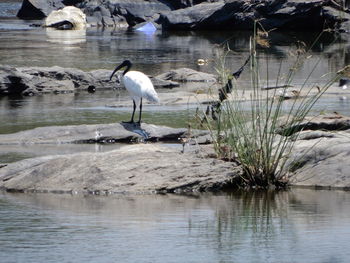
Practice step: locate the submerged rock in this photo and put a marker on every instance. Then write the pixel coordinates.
(142, 168)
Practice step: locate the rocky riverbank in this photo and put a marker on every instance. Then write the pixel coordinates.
(319, 159)
(29, 81)
(204, 14)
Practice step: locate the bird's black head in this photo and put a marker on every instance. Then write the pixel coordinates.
(126, 63)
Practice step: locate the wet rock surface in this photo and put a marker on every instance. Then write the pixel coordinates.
(101, 133)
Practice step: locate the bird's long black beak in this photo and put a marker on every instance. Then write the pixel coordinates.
(116, 69)
(126, 63)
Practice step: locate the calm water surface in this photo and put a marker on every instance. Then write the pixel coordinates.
(296, 226)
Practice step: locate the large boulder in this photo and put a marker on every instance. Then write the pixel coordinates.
(240, 14)
(69, 15)
(38, 9)
(13, 81)
(116, 12)
(138, 11)
(208, 16)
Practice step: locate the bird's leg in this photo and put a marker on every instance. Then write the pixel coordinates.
(139, 122)
(133, 113)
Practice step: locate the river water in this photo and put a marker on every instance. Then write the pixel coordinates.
(295, 226)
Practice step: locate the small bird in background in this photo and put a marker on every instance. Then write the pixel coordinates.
(138, 85)
(344, 82)
(98, 135)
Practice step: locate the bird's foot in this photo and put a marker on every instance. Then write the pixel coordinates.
(136, 124)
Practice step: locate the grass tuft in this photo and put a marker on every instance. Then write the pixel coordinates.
(258, 136)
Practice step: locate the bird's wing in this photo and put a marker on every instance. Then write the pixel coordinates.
(139, 85)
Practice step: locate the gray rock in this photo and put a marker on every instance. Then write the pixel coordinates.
(13, 81)
(232, 15)
(339, 19)
(321, 162)
(142, 168)
(36, 80)
(138, 11)
(164, 83)
(187, 75)
(38, 9)
(328, 122)
(241, 14)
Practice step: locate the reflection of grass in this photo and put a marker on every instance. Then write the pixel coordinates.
(256, 138)
(245, 219)
(255, 211)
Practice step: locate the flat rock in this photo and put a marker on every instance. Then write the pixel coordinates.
(142, 168)
(321, 160)
(108, 133)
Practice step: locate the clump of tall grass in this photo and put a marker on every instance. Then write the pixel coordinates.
(254, 136)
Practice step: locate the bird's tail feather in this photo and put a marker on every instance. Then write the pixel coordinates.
(152, 97)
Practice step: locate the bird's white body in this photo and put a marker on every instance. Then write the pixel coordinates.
(139, 86)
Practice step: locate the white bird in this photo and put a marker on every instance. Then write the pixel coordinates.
(138, 85)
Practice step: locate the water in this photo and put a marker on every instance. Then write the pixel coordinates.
(296, 226)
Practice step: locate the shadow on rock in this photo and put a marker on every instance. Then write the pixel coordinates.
(136, 128)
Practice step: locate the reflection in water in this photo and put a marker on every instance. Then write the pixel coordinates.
(296, 226)
(66, 37)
